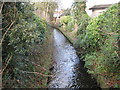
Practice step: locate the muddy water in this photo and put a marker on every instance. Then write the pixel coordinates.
(68, 69)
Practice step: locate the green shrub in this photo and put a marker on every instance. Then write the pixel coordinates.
(26, 34)
(68, 21)
(23, 39)
(27, 30)
(83, 24)
(100, 43)
(70, 25)
(65, 19)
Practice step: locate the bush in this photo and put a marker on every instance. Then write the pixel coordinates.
(27, 32)
(70, 25)
(65, 19)
(68, 21)
(100, 41)
(83, 24)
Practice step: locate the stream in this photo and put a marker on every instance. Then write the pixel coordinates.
(68, 70)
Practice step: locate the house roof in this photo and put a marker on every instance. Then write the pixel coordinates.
(100, 6)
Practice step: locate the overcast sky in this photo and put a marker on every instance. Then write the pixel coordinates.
(66, 3)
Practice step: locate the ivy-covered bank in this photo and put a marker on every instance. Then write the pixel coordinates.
(98, 43)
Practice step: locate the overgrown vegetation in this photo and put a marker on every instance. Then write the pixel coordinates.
(26, 43)
(68, 22)
(98, 43)
(25, 37)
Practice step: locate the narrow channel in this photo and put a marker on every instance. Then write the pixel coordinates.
(68, 69)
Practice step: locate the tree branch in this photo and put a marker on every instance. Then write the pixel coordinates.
(37, 65)
(6, 65)
(36, 73)
(4, 27)
(1, 7)
(6, 32)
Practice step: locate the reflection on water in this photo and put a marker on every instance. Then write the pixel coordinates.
(68, 70)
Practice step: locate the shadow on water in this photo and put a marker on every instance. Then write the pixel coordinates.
(68, 69)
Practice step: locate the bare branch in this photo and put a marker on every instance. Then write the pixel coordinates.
(6, 32)
(37, 65)
(1, 7)
(36, 73)
(112, 33)
(5, 27)
(6, 64)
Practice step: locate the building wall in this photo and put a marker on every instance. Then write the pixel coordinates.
(91, 3)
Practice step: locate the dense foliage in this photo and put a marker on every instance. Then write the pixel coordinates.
(80, 15)
(100, 45)
(21, 30)
(28, 28)
(68, 22)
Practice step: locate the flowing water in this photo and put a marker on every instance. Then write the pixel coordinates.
(68, 69)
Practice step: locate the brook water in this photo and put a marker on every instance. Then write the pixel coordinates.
(68, 68)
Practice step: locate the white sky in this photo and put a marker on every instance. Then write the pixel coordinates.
(66, 3)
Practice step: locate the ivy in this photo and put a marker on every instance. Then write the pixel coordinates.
(99, 41)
